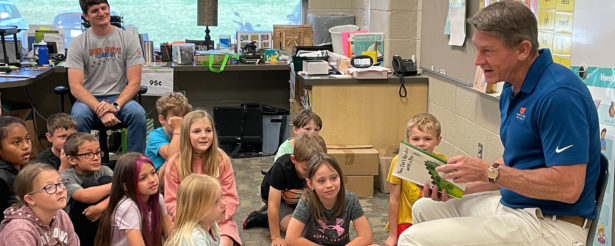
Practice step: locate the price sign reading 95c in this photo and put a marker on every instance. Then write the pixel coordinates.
(159, 80)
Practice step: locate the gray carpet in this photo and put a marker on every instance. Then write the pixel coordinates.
(248, 178)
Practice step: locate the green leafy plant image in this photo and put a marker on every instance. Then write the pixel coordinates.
(436, 179)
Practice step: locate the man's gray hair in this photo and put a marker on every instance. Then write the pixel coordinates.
(511, 21)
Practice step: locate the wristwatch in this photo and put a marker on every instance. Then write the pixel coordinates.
(116, 106)
(493, 172)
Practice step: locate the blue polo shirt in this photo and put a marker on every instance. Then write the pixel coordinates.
(551, 121)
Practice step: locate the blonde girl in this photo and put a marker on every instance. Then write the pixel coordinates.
(325, 210)
(136, 214)
(199, 207)
(199, 153)
(37, 218)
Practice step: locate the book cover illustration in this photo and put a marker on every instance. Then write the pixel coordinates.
(366, 44)
(419, 167)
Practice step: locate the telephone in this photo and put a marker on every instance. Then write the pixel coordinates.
(403, 67)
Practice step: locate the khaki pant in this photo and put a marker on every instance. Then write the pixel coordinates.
(480, 219)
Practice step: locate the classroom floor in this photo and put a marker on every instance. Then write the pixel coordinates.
(248, 178)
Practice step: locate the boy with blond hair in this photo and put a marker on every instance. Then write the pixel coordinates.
(164, 141)
(422, 131)
(59, 127)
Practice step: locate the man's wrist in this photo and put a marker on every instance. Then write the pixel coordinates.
(117, 106)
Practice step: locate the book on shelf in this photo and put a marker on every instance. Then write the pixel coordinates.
(367, 43)
(419, 167)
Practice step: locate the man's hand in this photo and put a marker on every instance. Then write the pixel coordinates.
(176, 123)
(278, 242)
(109, 119)
(464, 169)
(434, 194)
(104, 107)
(391, 240)
(93, 212)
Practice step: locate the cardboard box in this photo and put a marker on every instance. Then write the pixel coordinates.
(286, 37)
(362, 186)
(355, 159)
(26, 115)
(383, 171)
(386, 156)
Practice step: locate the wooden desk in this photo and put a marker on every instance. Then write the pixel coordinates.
(23, 77)
(238, 83)
(365, 111)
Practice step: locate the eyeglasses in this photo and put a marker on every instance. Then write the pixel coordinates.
(90, 155)
(50, 188)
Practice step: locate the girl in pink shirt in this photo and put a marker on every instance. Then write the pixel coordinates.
(199, 153)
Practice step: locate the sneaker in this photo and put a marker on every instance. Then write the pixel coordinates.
(256, 219)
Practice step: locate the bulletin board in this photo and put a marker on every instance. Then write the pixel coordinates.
(455, 61)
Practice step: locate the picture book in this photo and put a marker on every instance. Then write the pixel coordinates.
(366, 44)
(419, 167)
(346, 44)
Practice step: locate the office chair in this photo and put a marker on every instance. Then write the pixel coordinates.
(600, 189)
(102, 131)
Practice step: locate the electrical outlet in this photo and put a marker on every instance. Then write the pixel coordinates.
(480, 151)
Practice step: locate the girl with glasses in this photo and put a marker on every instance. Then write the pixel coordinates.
(37, 218)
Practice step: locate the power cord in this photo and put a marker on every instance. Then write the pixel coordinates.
(34, 114)
(402, 88)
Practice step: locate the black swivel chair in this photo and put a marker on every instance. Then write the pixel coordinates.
(102, 131)
(600, 189)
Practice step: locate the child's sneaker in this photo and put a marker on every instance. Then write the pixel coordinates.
(257, 218)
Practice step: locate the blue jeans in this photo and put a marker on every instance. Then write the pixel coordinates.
(132, 115)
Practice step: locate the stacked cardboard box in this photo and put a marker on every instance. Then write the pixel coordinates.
(359, 164)
(386, 156)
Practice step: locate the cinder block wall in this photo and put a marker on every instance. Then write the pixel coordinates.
(468, 117)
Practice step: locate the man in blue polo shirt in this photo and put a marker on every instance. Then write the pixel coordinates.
(548, 172)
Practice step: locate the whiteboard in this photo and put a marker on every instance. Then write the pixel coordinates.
(593, 35)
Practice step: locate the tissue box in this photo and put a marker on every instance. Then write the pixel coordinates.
(313, 67)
